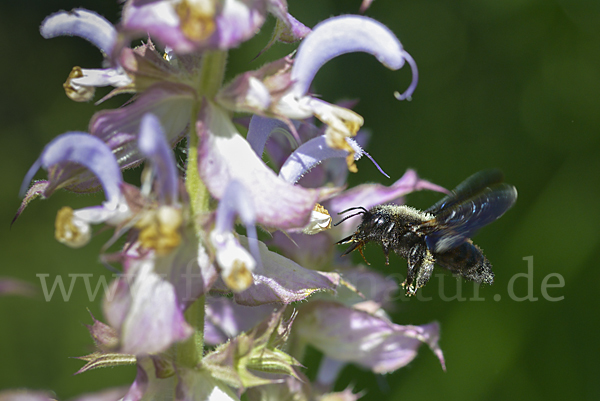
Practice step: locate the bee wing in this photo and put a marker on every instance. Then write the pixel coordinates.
(468, 189)
(454, 224)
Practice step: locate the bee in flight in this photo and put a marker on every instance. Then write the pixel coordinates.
(440, 234)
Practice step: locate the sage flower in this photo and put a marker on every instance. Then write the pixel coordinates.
(202, 304)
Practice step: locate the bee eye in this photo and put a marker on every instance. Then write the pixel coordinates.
(379, 221)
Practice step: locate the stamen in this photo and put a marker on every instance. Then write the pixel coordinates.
(71, 230)
(78, 93)
(160, 229)
(197, 20)
(320, 220)
(239, 278)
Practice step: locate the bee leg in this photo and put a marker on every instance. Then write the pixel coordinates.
(414, 261)
(420, 268)
(425, 269)
(355, 244)
(360, 249)
(386, 253)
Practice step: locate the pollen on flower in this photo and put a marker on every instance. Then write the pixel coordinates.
(76, 92)
(320, 220)
(196, 18)
(239, 277)
(341, 123)
(70, 230)
(234, 260)
(160, 229)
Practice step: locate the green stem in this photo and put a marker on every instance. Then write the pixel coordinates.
(211, 78)
(190, 351)
(212, 73)
(199, 196)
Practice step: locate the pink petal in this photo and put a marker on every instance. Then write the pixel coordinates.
(224, 155)
(153, 320)
(368, 340)
(280, 280)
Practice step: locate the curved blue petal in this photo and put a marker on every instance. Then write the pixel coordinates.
(234, 202)
(83, 23)
(153, 144)
(314, 152)
(84, 149)
(347, 34)
(260, 129)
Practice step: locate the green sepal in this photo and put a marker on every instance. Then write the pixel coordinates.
(102, 360)
(249, 359)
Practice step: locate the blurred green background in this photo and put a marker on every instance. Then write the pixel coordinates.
(512, 84)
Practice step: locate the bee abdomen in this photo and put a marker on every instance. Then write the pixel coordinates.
(468, 261)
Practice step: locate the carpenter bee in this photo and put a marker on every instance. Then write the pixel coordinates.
(440, 234)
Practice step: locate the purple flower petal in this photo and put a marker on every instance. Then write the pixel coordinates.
(119, 128)
(235, 262)
(332, 172)
(171, 103)
(287, 28)
(86, 150)
(364, 6)
(282, 281)
(193, 28)
(142, 381)
(260, 129)
(329, 369)
(159, 20)
(110, 394)
(102, 77)
(224, 155)
(295, 246)
(143, 307)
(347, 34)
(314, 152)
(258, 92)
(83, 23)
(375, 288)
(235, 202)
(190, 269)
(341, 123)
(25, 395)
(10, 286)
(226, 319)
(294, 32)
(154, 146)
(355, 336)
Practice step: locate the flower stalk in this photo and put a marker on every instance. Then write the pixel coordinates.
(190, 351)
(212, 72)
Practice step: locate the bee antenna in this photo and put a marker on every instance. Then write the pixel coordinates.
(349, 217)
(354, 208)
